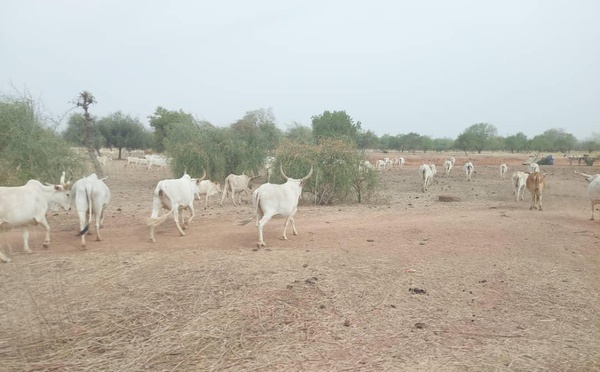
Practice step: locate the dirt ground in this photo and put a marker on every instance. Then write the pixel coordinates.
(402, 283)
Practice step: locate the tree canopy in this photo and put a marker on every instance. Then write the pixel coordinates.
(477, 137)
(123, 131)
(336, 124)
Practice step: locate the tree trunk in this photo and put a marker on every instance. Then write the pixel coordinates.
(120, 149)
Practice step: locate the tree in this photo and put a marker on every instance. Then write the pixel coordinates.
(591, 143)
(298, 133)
(85, 100)
(443, 144)
(476, 137)
(517, 142)
(336, 124)
(162, 120)
(367, 140)
(123, 131)
(76, 132)
(554, 140)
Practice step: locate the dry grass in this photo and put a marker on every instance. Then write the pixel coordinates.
(336, 298)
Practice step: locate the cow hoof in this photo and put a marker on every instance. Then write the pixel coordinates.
(261, 244)
(45, 244)
(284, 237)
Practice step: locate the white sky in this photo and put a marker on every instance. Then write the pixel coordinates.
(432, 67)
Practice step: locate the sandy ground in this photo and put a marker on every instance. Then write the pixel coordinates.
(404, 282)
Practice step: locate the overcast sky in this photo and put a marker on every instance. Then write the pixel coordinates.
(432, 67)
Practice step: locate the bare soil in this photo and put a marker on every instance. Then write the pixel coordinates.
(402, 283)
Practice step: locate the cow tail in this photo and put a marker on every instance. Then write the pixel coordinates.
(88, 196)
(256, 206)
(157, 221)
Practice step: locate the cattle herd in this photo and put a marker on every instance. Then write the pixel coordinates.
(27, 205)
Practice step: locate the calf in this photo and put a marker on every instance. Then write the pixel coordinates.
(90, 196)
(426, 176)
(535, 185)
(519, 180)
(174, 195)
(28, 204)
(270, 200)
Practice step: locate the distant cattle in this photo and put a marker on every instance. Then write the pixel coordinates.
(426, 176)
(469, 169)
(503, 171)
(26, 205)
(90, 196)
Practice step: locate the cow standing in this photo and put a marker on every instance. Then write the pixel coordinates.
(270, 200)
(28, 204)
(90, 196)
(174, 195)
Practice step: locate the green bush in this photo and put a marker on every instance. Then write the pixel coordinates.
(337, 176)
(30, 150)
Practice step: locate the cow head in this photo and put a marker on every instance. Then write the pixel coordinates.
(301, 180)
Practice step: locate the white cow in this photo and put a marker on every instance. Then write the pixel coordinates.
(380, 164)
(174, 195)
(90, 196)
(28, 204)
(533, 167)
(208, 188)
(401, 161)
(452, 160)
(132, 160)
(158, 161)
(448, 166)
(503, 170)
(469, 168)
(593, 189)
(426, 176)
(270, 200)
(236, 184)
(519, 180)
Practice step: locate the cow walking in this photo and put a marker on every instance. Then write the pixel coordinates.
(270, 200)
(90, 196)
(26, 205)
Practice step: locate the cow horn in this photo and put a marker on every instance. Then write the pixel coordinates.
(203, 174)
(62, 177)
(309, 174)
(283, 174)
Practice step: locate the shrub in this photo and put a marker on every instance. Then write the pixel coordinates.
(337, 176)
(28, 148)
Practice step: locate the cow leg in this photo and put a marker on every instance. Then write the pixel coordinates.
(540, 202)
(42, 221)
(176, 218)
(99, 218)
(3, 258)
(26, 240)
(82, 219)
(591, 219)
(206, 201)
(233, 195)
(191, 207)
(261, 224)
